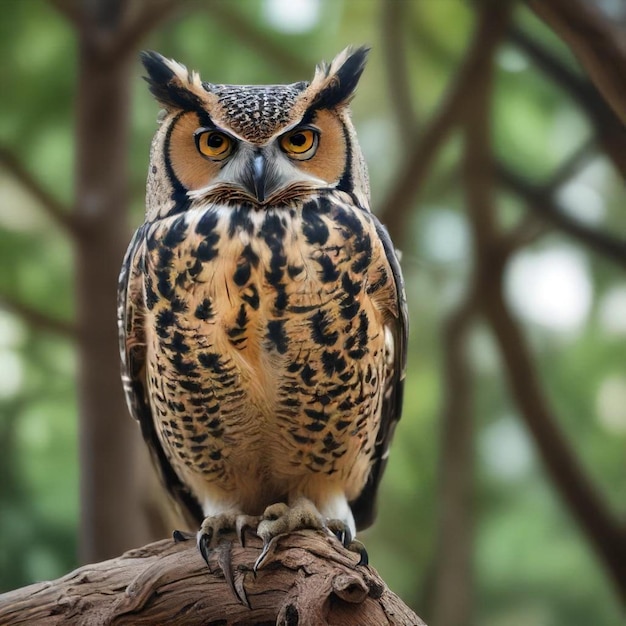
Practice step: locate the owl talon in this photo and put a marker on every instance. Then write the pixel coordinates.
(343, 533)
(268, 548)
(180, 536)
(359, 548)
(243, 523)
(204, 545)
(225, 561)
(340, 530)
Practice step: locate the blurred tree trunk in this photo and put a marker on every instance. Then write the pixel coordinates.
(116, 484)
(111, 519)
(453, 593)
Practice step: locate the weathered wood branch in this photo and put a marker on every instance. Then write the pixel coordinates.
(309, 579)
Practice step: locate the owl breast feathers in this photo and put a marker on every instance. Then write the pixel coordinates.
(262, 313)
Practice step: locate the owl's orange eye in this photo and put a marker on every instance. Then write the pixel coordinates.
(300, 143)
(213, 144)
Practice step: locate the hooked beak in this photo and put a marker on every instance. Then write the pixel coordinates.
(259, 167)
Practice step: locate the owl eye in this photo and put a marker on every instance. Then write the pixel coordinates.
(213, 144)
(300, 143)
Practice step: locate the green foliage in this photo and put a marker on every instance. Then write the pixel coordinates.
(532, 563)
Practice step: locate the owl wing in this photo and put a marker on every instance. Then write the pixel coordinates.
(132, 343)
(396, 330)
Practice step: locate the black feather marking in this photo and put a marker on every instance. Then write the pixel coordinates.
(240, 220)
(186, 368)
(294, 270)
(351, 287)
(300, 439)
(164, 321)
(329, 273)
(178, 343)
(242, 274)
(320, 329)
(250, 255)
(204, 311)
(316, 415)
(351, 224)
(151, 297)
(207, 223)
(164, 285)
(276, 335)
(251, 297)
(212, 361)
(332, 362)
(313, 227)
(206, 251)
(179, 194)
(363, 329)
(166, 256)
(176, 233)
(308, 375)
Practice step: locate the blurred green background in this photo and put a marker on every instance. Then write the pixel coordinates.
(531, 563)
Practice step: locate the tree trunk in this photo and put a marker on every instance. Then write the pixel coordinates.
(111, 519)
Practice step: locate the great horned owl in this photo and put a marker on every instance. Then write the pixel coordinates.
(261, 307)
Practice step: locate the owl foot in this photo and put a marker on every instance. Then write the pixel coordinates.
(218, 527)
(215, 534)
(342, 531)
(279, 519)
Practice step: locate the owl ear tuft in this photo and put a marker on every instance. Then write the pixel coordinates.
(170, 82)
(336, 83)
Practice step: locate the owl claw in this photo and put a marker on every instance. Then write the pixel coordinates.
(204, 545)
(268, 547)
(359, 548)
(180, 536)
(340, 530)
(243, 523)
(225, 561)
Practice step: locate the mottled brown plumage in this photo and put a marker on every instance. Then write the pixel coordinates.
(262, 314)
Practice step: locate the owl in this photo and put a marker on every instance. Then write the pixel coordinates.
(262, 315)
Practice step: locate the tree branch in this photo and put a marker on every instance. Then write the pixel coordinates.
(70, 10)
(452, 597)
(55, 209)
(144, 22)
(610, 131)
(258, 40)
(407, 185)
(309, 579)
(393, 16)
(543, 204)
(584, 501)
(38, 319)
(455, 559)
(592, 39)
(581, 497)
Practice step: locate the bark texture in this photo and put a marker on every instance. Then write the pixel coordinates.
(308, 580)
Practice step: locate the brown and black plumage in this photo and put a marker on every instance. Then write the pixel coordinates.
(262, 312)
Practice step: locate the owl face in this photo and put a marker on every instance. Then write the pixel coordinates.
(263, 145)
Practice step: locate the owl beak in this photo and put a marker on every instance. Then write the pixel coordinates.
(259, 166)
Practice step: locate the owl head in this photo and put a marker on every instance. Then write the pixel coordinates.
(266, 145)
